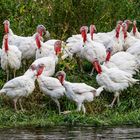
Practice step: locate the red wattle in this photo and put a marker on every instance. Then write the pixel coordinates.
(38, 43)
(134, 29)
(39, 72)
(97, 67)
(100, 69)
(57, 50)
(6, 45)
(84, 35)
(117, 34)
(108, 56)
(62, 79)
(118, 30)
(124, 33)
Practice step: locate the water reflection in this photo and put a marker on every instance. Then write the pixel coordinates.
(71, 133)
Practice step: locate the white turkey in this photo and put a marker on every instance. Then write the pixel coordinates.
(86, 48)
(50, 86)
(111, 33)
(113, 79)
(135, 50)
(128, 40)
(19, 87)
(106, 38)
(26, 45)
(122, 60)
(49, 62)
(102, 38)
(10, 57)
(134, 32)
(50, 43)
(44, 50)
(91, 49)
(116, 40)
(78, 92)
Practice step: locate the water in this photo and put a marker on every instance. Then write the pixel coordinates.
(71, 133)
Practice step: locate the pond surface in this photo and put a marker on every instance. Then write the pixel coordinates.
(71, 133)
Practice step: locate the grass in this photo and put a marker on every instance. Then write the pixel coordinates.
(42, 111)
(62, 19)
(8, 118)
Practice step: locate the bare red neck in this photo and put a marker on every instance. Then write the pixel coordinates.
(40, 70)
(6, 45)
(92, 31)
(118, 31)
(108, 56)
(124, 32)
(38, 43)
(57, 50)
(84, 36)
(61, 78)
(97, 67)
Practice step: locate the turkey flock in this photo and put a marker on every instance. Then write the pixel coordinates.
(114, 55)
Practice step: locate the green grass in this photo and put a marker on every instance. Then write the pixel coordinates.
(8, 118)
(42, 111)
(62, 19)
